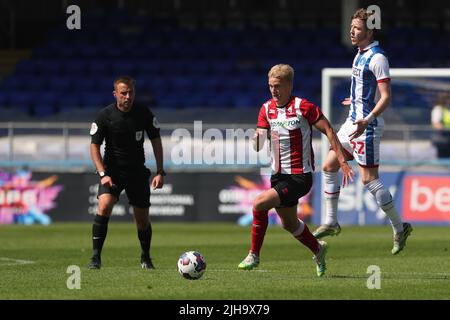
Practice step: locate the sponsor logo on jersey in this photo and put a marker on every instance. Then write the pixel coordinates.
(285, 123)
(356, 72)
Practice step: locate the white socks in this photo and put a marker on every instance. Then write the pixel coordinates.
(382, 195)
(332, 190)
(384, 200)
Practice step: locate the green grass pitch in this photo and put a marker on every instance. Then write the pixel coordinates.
(34, 262)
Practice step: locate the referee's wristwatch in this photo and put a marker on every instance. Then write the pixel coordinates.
(161, 172)
(101, 174)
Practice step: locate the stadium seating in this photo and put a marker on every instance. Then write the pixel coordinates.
(220, 64)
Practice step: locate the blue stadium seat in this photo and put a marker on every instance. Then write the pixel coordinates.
(159, 86)
(65, 52)
(85, 84)
(74, 67)
(197, 67)
(169, 101)
(26, 67)
(34, 82)
(49, 66)
(212, 84)
(182, 84)
(45, 104)
(90, 51)
(202, 66)
(95, 100)
(234, 83)
(43, 110)
(13, 83)
(21, 100)
(59, 83)
(123, 67)
(4, 99)
(222, 67)
(48, 97)
(69, 101)
(42, 52)
(104, 83)
(247, 102)
(97, 67)
(148, 68)
(196, 99)
(220, 101)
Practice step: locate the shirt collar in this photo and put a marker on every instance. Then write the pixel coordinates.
(291, 99)
(370, 46)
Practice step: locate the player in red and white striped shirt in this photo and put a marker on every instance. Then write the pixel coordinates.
(288, 121)
(290, 133)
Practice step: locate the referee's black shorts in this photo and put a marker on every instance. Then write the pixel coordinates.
(135, 181)
(291, 187)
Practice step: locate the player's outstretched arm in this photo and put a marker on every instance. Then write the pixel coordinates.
(323, 125)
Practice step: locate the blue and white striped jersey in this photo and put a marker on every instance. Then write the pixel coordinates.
(370, 67)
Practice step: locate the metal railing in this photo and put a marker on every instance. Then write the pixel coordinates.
(406, 138)
(13, 127)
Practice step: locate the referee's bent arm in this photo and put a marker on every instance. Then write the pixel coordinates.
(158, 151)
(97, 157)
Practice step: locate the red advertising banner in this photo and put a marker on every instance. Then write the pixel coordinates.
(426, 198)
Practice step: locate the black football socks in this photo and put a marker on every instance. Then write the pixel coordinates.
(99, 231)
(145, 238)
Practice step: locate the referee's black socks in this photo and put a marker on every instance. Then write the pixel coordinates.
(99, 231)
(145, 238)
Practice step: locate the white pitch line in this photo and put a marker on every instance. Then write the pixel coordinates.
(13, 262)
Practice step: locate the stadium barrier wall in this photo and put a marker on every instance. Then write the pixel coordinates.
(43, 197)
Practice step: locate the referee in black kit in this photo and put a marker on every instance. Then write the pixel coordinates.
(122, 126)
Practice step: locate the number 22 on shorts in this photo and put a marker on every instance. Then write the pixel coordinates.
(358, 146)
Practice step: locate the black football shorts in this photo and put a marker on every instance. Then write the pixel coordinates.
(135, 182)
(291, 187)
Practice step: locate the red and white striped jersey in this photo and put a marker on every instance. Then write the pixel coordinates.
(290, 134)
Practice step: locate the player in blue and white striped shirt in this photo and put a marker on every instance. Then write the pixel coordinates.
(360, 135)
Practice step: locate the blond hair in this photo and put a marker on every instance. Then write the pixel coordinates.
(282, 72)
(129, 81)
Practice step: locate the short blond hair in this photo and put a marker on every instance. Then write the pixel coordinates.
(282, 72)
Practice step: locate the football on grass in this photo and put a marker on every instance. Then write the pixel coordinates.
(191, 265)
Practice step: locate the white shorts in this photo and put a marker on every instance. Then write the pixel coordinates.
(366, 148)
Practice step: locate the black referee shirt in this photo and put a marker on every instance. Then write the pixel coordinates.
(123, 133)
